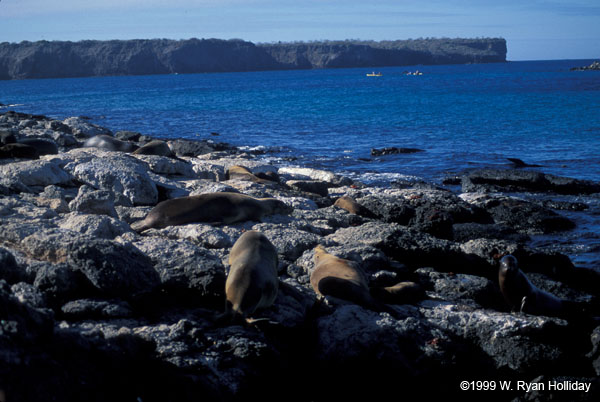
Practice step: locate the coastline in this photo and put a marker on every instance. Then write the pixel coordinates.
(117, 314)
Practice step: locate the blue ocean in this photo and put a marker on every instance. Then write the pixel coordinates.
(462, 116)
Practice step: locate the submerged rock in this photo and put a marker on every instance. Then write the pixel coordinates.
(394, 150)
(526, 180)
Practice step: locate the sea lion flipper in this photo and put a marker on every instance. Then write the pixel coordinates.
(523, 303)
(139, 226)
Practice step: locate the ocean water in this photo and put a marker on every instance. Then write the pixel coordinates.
(462, 116)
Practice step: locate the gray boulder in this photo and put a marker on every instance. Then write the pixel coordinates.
(91, 201)
(300, 173)
(185, 268)
(81, 128)
(9, 269)
(59, 283)
(96, 226)
(96, 309)
(114, 269)
(202, 234)
(29, 295)
(35, 173)
(123, 175)
(167, 166)
(518, 342)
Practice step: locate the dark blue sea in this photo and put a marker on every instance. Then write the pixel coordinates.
(462, 116)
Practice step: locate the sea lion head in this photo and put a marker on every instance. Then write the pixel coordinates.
(320, 252)
(508, 266)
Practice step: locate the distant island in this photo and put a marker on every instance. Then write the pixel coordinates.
(57, 59)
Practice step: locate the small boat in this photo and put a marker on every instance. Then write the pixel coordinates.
(374, 74)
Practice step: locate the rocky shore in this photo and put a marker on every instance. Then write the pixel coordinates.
(93, 310)
(594, 66)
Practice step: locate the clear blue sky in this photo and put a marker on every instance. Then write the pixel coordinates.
(534, 29)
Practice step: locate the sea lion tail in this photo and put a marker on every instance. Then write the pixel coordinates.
(523, 305)
(139, 226)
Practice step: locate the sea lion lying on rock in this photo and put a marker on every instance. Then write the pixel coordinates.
(252, 282)
(349, 204)
(243, 173)
(344, 279)
(44, 147)
(109, 143)
(16, 150)
(7, 137)
(155, 147)
(400, 293)
(214, 208)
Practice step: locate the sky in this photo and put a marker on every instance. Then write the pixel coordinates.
(534, 29)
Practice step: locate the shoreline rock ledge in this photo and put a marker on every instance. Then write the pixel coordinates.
(92, 310)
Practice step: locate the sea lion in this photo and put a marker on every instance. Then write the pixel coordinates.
(154, 147)
(343, 279)
(215, 208)
(252, 282)
(16, 150)
(243, 173)
(400, 293)
(521, 295)
(518, 163)
(109, 143)
(7, 137)
(44, 147)
(269, 175)
(350, 205)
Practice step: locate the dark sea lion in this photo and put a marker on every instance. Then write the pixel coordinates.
(518, 163)
(252, 282)
(344, 279)
(7, 137)
(270, 175)
(215, 208)
(400, 293)
(521, 295)
(17, 150)
(109, 143)
(154, 147)
(44, 147)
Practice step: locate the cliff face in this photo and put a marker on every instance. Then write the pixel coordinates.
(133, 57)
(388, 53)
(160, 56)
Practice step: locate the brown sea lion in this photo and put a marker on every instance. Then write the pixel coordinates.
(252, 282)
(350, 205)
(243, 173)
(400, 293)
(16, 150)
(521, 295)
(154, 147)
(215, 208)
(109, 143)
(344, 279)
